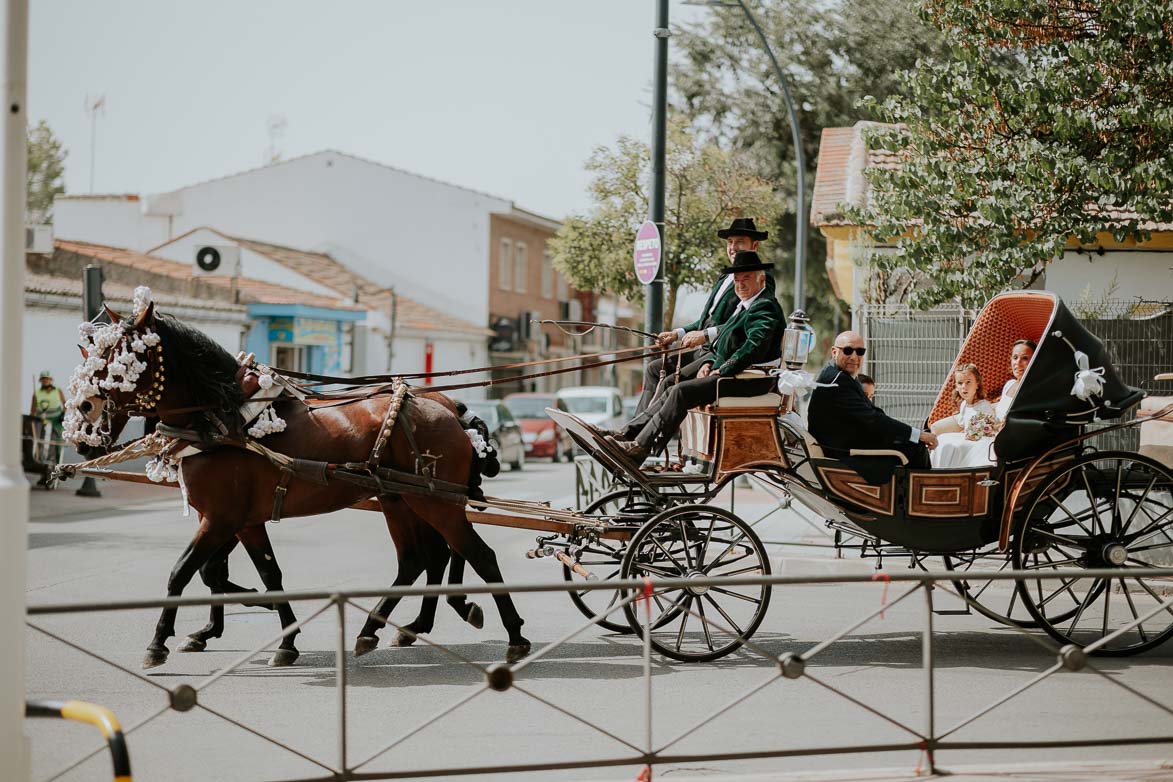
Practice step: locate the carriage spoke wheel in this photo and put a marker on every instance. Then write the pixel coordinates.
(605, 560)
(1106, 510)
(997, 600)
(702, 622)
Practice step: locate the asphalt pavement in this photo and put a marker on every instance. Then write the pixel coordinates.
(583, 699)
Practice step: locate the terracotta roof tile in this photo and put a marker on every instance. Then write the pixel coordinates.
(121, 294)
(251, 290)
(326, 271)
(840, 180)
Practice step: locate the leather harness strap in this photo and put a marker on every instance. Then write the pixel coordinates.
(286, 476)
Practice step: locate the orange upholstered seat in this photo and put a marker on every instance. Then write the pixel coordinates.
(1003, 321)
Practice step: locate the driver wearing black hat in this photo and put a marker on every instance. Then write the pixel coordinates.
(741, 235)
(751, 335)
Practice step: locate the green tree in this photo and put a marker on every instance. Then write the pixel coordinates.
(833, 54)
(705, 187)
(1049, 119)
(46, 172)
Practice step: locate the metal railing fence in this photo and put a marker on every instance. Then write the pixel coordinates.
(928, 737)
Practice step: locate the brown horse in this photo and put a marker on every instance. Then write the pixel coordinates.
(189, 382)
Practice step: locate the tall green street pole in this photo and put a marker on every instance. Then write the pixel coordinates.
(654, 292)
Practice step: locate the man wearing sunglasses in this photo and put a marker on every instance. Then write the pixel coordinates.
(841, 417)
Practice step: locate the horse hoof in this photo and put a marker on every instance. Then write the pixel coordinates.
(284, 657)
(364, 644)
(476, 617)
(403, 638)
(154, 658)
(517, 651)
(193, 644)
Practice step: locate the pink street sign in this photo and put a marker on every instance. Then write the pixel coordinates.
(647, 252)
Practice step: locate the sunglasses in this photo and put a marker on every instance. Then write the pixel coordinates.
(849, 351)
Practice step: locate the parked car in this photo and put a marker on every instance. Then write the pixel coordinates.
(504, 431)
(599, 406)
(629, 405)
(542, 436)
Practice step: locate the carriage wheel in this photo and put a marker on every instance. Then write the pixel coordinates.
(698, 541)
(605, 560)
(1105, 510)
(997, 600)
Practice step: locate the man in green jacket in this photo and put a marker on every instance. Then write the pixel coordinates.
(742, 234)
(751, 335)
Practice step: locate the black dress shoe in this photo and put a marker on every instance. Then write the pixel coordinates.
(632, 450)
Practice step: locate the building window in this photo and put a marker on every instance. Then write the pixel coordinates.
(291, 357)
(547, 276)
(505, 266)
(520, 267)
(563, 288)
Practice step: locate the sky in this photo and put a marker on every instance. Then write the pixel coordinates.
(504, 96)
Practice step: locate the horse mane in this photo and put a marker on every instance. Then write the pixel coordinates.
(206, 370)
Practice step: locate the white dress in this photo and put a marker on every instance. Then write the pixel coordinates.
(1007, 399)
(955, 450)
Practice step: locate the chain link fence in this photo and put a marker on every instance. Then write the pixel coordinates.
(911, 351)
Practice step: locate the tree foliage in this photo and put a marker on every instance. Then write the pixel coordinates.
(46, 172)
(1048, 119)
(833, 54)
(705, 188)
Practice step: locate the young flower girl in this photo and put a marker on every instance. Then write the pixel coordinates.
(964, 440)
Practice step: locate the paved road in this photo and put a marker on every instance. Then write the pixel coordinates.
(123, 546)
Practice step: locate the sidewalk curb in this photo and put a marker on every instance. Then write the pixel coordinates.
(1144, 771)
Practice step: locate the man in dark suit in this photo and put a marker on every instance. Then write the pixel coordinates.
(752, 335)
(741, 235)
(841, 417)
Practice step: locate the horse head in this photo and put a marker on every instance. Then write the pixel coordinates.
(121, 375)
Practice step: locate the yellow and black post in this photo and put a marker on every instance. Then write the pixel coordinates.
(100, 717)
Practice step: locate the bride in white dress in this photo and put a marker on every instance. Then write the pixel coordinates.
(964, 440)
(1020, 355)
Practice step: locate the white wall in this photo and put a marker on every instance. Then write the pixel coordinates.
(1147, 275)
(391, 226)
(253, 265)
(112, 221)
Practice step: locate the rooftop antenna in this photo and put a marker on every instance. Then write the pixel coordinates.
(275, 126)
(94, 106)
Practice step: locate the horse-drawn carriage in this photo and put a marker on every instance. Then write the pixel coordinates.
(1049, 502)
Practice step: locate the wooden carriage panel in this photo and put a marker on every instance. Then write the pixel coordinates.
(935, 495)
(848, 485)
(749, 440)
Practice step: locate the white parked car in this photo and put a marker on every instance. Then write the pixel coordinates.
(599, 406)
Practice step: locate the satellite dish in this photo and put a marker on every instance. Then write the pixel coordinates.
(208, 259)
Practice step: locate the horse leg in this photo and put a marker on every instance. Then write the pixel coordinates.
(404, 529)
(436, 554)
(260, 550)
(450, 521)
(465, 608)
(208, 538)
(214, 574)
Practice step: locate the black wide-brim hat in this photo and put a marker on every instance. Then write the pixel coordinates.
(747, 261)
(743, 226)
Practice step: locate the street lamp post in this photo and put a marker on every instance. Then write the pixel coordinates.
(654, 294)
(799, 155)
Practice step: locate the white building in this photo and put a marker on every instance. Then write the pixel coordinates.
(398, 334)
(427, 238)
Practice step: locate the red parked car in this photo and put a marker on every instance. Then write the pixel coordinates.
(542, 436)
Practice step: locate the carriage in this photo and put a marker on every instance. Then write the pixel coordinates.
(1049, 502)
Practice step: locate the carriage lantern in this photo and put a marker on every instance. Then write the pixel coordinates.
(797, 341)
